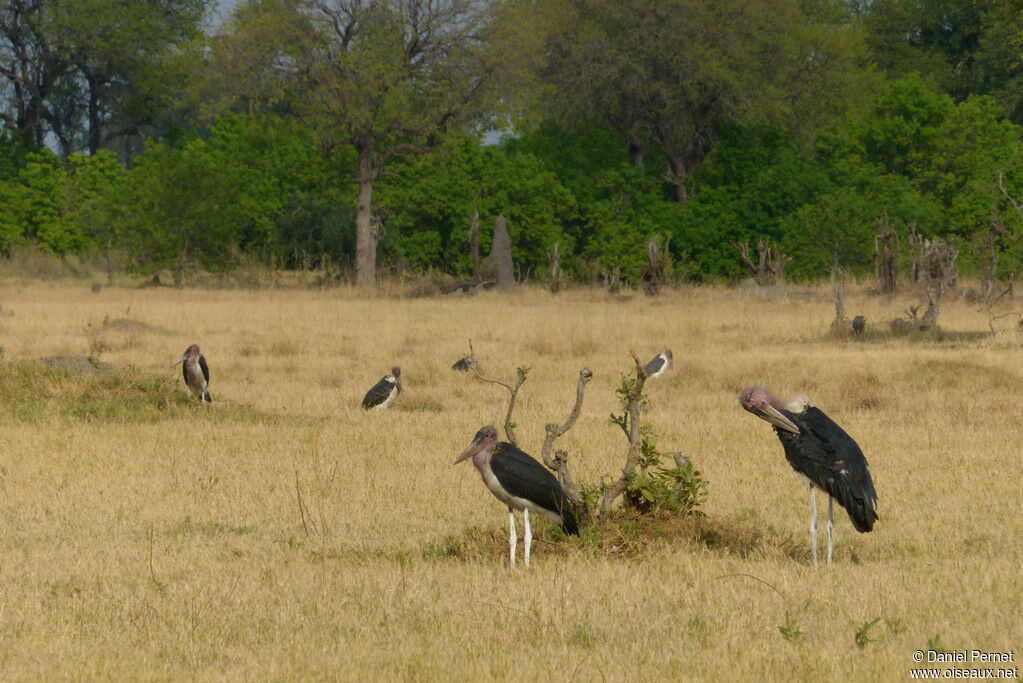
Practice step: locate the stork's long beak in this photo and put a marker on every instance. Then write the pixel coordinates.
(179, 360)
(472, 450)
(774, 416)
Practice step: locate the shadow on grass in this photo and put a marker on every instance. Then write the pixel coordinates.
(882, 334)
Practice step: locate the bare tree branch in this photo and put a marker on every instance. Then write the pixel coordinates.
(522, 371)
(559, 463)
(635, 437)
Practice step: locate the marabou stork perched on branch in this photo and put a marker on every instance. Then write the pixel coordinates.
(521, 483)
(659, 364)
(823, 454)
(196, 372)
(383, 393)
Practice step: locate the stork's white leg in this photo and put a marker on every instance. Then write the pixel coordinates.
(528, 541)
(512, 537)
(831, 524)
(813, 525)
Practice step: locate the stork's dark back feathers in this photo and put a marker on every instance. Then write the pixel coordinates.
(379, 393)
(829, 458)
(524, 477)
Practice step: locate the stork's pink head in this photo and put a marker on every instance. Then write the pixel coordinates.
(767, 406)
(481, 443)
(191, 352)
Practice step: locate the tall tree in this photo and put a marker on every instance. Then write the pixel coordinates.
(116, 50)
(382, 76)
(965, 48)
(675, 72)
(31, 68)
(88, 71)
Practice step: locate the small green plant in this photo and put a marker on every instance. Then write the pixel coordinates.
(656, 487)
(895, 626)
(862, 633)
(790, 630)
(934, 643)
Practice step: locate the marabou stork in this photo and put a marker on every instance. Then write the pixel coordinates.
(659, 364)
(521, 483)
(859, 323)
(196, 372)
(383, 393)
(823, 454)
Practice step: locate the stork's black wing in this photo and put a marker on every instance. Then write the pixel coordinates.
(829, 458)
(524, 477)
(379, 393)
(205, 368)
(654, 365)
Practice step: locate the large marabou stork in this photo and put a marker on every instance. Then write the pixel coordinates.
(521, 483)
(659, 364)
(383, 393)
(196, 372)
(823, 454)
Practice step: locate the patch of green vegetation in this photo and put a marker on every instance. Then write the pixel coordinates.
(934, 643)
(188, 527)
(38, 392)
(895, 625)
(83, 389)
(790, 629)
(862, 636)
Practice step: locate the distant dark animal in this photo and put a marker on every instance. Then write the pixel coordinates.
(859, 323)
(659, 364)
(383, 393)
(463, 364)
(521, 483)
(196, 373)
(823, 454)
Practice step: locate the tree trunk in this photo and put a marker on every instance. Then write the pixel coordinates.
(94, 122)
(365, 235)
(637, 152)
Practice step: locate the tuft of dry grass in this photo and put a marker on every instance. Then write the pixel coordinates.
(283, 532)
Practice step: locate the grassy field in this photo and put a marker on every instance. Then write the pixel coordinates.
(285, 533)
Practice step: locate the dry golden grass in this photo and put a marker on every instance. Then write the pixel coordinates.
(286, 533)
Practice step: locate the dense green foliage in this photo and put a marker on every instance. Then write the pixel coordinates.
(931, 137)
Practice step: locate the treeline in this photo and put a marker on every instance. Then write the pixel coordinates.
(311, 132)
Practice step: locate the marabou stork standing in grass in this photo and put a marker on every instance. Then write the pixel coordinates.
(823, 454)
(521, 483)
(383, 393)
(659, 364)
(196, 372)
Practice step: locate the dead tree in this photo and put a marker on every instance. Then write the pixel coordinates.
(840, 325)
(770, 265)
(915, 247)
(500, 258)
(886, 246)
(521, 371)
(657, 269)
(629, 422)
(559, 462)
(992, 300)
(935, 263)
(555, 276)
(474, 244)
(938, 261)
(611, 279)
